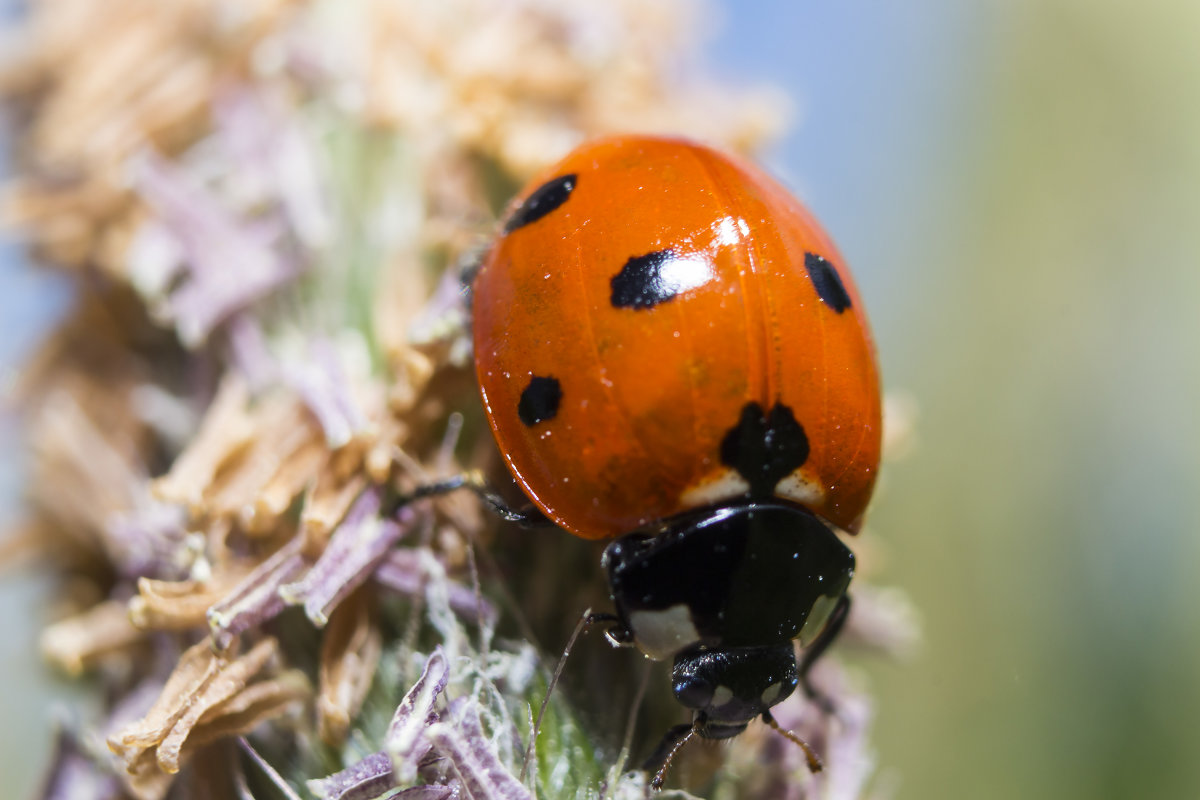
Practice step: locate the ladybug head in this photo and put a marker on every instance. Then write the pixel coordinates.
(730, 687)
(726, 689)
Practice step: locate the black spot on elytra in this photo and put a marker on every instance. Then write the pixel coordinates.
(539, 402)
(641, 283)
(765, 448)
(547, 197)
(827, 282)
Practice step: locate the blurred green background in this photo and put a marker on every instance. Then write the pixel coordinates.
(1017, 186)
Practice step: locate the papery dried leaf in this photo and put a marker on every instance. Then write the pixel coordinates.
(109, 82)
(378, 461)
(21, 542)
(133, 706)
(350, 653)
(364, 780)
(72, 774)
(404, 571)
(406, 737)
(148, 778)
(255, 599)
(412, 371)
(469, 752)
(295, 474)
(276, 151)
(326, 506)
(181, 605)
(194, 670)
(78, 642)
(211, 237)
(229, 679)
(144, 780)
(282, 429)
(354, 550)
(283, 689)
(150, 538)
(201, 679)
(226, 428)
(428, 792)
(322, 381)
(82, 474)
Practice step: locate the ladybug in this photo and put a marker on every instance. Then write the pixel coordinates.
(672, 355)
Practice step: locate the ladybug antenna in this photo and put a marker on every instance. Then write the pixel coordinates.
(814, 761)
(584, 623)
(672, 742)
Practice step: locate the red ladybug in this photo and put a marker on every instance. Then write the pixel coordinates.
(671, 351)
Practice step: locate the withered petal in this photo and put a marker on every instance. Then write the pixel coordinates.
(483, 774)
(256, 598)
(369, 778)
(180, 605)
(353, 552)
(350, 653)
(228, 679)
(406, 743)
(77, 642)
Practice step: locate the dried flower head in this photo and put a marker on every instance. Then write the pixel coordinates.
(266, 207)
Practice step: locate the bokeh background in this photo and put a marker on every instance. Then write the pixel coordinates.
(1017, 186)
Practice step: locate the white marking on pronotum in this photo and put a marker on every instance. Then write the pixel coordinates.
(662, 634)
(721, 696)
(817, 618)
(771, 694)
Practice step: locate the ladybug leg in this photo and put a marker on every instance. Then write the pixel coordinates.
(615, 630)
(814, 651)
(468, 265)
(585, 624)
(526, 516)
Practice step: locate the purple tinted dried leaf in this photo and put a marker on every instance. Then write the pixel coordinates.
(248, 351)
(148, 540)
(134, 705)
(470, 753)
(403, 571)
(841, 739)
(72, 774)
(323, 385)
(429, 792)
(256, 598)
(230, 264)
(405, 742)
(356, 547)
(850, 751)
(445, 314)
(268, 144)
(269, 772)
(365, 780)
